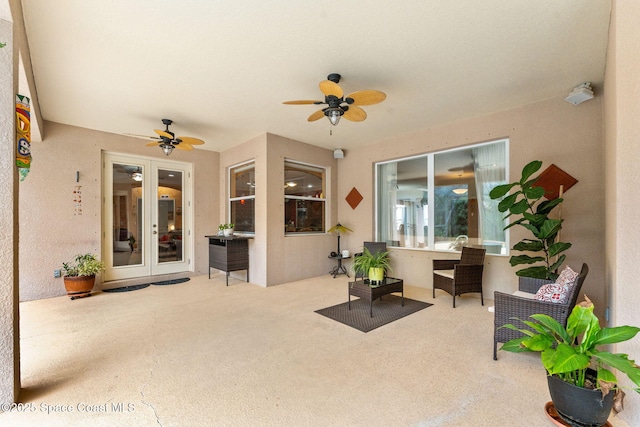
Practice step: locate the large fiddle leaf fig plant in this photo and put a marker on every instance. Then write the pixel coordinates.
(532, 213)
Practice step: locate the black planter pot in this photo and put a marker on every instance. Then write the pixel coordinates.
(579, 407)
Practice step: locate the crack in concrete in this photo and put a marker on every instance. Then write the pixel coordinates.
(144, 402)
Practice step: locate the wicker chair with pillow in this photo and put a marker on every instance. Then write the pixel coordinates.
(460, 276)
(536, 296)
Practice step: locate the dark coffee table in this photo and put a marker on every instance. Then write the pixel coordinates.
(369, 292)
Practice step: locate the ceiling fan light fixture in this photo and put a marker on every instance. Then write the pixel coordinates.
(166, 148)
(136, 176)
(460, 191)
(334, 115)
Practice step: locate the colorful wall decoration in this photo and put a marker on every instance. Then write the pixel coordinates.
(23, 135)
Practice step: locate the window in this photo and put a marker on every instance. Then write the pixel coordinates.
(441, 200)
(304, 198)
(242, 195)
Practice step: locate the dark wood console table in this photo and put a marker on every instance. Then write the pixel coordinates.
(229, 253)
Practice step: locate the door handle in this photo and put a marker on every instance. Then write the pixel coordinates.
(155, 232)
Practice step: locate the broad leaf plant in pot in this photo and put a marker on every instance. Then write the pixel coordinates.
(80, 275)
(582, 385)
(525, 205)
(374, 265)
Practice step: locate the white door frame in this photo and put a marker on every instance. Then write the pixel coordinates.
(149, 264)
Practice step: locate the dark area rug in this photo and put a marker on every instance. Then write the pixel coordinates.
(385, 311)
(127, 288)
(171, 282)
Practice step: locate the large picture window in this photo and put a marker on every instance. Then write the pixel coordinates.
(242, 195)
(304, 198)
(440, 201)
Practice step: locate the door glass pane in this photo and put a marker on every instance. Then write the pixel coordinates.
(127, 215)
(169, 216)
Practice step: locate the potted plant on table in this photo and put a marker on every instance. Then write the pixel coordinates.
(533, 214)
(582, 388)
(225, 229)
(374, 264)
(80, 275)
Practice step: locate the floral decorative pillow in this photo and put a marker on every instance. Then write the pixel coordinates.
(567, 277)
(553, 292)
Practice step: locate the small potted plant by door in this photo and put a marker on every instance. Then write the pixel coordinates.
(373, 264)
(80, 275)
(583, 388)
(228, 229)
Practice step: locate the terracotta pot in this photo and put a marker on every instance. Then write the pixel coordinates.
(79, 286)
(579, 406)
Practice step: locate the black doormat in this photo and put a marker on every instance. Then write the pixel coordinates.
(127, 288)
(384, 311)
(144, 285)
(171, 282)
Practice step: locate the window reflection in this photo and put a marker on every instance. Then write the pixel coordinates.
(444, 207)
(304, 188)
(242, 192)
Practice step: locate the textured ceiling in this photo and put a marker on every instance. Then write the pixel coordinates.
(221, 69)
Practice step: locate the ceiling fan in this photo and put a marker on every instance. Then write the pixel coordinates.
(168, 141)
(339, 105)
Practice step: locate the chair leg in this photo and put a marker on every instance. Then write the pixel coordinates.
(495, 352)
(454, 300)
(434, 292)
(481, 299)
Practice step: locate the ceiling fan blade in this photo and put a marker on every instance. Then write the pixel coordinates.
(183, 146)
(163, 134)
(302, 102)
(137, 135)
(367, 97)
(316, 116)
(330, 88)
(191, 141)
(153, 143)
(355, 114)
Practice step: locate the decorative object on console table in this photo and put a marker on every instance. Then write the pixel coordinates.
(225, 230)
(80, 277)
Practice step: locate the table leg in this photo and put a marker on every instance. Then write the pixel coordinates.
(371, 307)
(403, 296)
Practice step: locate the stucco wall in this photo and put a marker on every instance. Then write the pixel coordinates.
(552, 131)
(9, 313)
(51, 233)
(274, 257)
(622, 145)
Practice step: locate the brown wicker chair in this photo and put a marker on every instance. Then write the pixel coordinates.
(510, 307)
(373, 247)
(461, 276)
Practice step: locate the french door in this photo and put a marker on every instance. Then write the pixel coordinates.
(146, 216)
